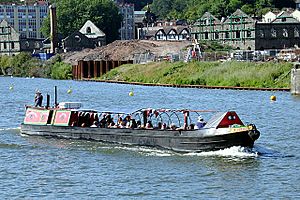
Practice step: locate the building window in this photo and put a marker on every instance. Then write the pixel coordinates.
(296, 33)
(77, 38)
(206, 35)
(160, 36)
(12, 45)
(283, 19)
(285, 33)
(88, 30)
(227, 35)
(216, 36)
(261, 33)
(273, 33)
(5, 45)
(248, 33)
(237, 34)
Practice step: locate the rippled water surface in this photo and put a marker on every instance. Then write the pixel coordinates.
(45, 168)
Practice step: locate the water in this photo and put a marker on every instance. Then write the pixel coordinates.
(40, 168)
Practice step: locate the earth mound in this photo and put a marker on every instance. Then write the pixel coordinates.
(122, 50)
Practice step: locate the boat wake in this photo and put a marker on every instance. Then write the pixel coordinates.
(235, 151)
(147, 151)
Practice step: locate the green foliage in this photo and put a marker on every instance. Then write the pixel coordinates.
(72, 14)
(243, 74)
(61, 70)
(193, 9)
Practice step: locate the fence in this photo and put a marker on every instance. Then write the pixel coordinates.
(238, 55)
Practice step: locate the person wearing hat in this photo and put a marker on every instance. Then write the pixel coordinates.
(200, 123)
(38, 99)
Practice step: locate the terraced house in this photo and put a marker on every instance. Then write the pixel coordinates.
(239, 30)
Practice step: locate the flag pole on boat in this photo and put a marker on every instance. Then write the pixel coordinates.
(55, 96)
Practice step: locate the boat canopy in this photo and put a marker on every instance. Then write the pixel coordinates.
(224, 119)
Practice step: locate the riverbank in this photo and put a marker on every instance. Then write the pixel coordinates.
(241, 75)
(188, 86)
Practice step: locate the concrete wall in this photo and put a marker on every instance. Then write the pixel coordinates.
(295, 79)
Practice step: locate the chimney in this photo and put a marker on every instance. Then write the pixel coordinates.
(53, 28)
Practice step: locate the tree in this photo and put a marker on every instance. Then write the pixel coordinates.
(72, 14)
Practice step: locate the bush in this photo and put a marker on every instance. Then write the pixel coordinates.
(61, 70)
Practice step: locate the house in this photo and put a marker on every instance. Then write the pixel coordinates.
(296, 14)
(241, 31)
(269, 16)
(90, 30)
(76, 42)
(281, 33)
(237, 30)
(165, 30)
(89, 36)
(9, 39)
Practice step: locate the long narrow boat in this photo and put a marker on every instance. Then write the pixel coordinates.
(162, 128)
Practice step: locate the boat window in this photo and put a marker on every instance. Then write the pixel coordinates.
(231, 117)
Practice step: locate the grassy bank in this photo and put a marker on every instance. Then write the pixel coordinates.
(241, 74)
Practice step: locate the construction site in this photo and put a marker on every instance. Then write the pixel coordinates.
(92, 63)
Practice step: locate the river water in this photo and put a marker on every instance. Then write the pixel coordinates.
(45, 168)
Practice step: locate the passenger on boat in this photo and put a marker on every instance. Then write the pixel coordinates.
(164, 126)
(110, 121)
(149, 125)
(191, 127)
(126, 121)
(120, 123)
(159, 125)
(95, 124)
(200, 123)
(173, 126)
(38, 99)
(139, 124)
(133, 124)
(103, 122)
(74, 123)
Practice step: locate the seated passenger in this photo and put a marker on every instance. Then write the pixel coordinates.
(103, 122)
(139, 124)
(164, 126)
(173, 126)
(109, 120)
(191, 127)
(95, 124)
(133, 124)
(74, 123)
(149, 125)
(159, 125)
(200, 123)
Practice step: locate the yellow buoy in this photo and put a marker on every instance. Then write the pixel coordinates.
(69, 91)
(273, 98)
(131, 93)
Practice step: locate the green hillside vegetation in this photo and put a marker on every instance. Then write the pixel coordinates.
(23, 65)
(240, 74)
(193, 9)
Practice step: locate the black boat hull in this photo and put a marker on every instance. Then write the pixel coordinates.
(179, 140)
